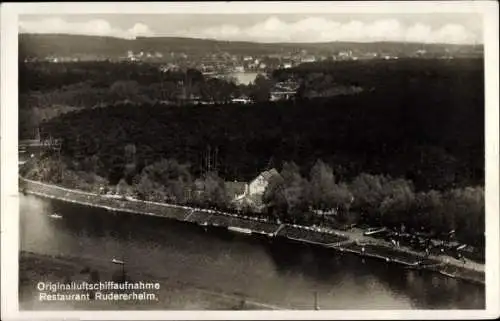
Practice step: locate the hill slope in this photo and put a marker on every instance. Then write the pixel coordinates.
(42, 45)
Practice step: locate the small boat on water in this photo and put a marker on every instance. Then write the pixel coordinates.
(115, 196)
(239, 230)
(264, 233)
(55, 216)
(447, 274)
(415, 263)
(373, 231)
(115, 261)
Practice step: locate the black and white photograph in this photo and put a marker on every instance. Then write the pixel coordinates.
(249, 157)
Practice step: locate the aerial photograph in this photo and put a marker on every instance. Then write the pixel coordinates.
(251, 161)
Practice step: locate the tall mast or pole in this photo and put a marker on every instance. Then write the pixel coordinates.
(162, 87)
(316, 301)
(186, 89)
(201, 166)
(209, 164)
(215, 160)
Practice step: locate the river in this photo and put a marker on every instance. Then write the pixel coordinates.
(277, 273)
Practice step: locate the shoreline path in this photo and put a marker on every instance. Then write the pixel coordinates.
(354, 235)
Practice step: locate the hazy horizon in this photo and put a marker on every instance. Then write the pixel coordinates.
(248, 41)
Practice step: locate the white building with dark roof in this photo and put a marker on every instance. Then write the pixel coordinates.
(254, 191)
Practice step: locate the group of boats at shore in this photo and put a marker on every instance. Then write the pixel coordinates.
(392, 236)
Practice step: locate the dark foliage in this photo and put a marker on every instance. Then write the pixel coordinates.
(424, 121)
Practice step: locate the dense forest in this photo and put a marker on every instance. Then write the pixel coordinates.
(292, 196)
(408, 148)
(352, 136)
(425, 123)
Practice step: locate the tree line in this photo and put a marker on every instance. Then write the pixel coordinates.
(318, 197)
(436, 146)
(376, 200)
(423, 124)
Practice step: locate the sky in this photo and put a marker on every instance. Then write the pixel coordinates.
(453, 28)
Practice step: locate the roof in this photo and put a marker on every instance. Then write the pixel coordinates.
(270, 173)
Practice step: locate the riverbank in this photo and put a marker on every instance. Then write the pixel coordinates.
(172, 294)
(353, 241)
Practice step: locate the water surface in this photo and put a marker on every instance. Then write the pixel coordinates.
(278, 273)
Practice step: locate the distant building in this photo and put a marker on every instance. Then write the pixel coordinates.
(284, 90)
(308, 59)
(259, 184)
(199, 187)
(169, 67)
(241, 100)
(344, 55)
(369, 55)
(281, 95)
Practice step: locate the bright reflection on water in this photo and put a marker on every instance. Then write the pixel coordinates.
(276, 273)
(244, 78)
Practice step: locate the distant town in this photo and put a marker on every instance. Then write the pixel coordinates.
(212, 56)
(240, 63)
(220, 62)
(227, 62)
